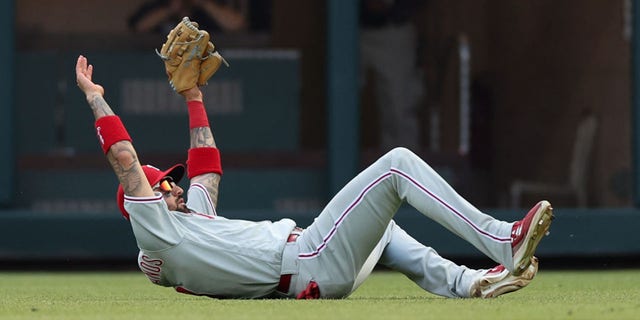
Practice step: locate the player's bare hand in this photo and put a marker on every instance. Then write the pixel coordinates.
(84, 73)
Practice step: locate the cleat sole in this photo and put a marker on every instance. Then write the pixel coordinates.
(537, 231)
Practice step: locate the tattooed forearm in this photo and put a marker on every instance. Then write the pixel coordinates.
(125, 164)
(202, 137)
(211, 181)
(99, 106)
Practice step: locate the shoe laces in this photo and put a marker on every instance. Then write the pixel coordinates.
(516, 231)
(518, 226)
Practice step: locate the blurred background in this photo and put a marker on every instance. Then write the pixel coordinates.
(510, 102)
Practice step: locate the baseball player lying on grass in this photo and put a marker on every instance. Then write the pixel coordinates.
(188, 246)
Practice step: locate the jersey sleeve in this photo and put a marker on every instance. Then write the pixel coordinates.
(154, 226)
(199, 200)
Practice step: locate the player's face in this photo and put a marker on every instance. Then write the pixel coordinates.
(172, 194)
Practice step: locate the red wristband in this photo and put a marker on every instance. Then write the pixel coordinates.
(197, 114)
(203, 160)
(110, 130)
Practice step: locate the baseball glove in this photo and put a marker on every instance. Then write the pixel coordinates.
(211, 61)
(185, 53)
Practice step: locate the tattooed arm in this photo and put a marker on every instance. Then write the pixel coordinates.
(203, 137)
(122, 156)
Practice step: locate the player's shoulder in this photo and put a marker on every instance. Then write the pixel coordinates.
(199, 200)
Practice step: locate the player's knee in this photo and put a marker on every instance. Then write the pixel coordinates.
(401, 152)
(401, 156)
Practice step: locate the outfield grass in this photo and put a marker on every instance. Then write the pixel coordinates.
(386, 295)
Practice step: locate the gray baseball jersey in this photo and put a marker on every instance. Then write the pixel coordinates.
(202, 253)
(205, 254)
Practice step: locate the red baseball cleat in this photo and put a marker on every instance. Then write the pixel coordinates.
(499, 281)
(527, 233)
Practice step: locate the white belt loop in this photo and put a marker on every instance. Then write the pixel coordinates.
(290, 258)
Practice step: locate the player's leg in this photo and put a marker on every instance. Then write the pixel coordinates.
(424, 266)
(336, 246)
(424, 189)
(510, 244)
(440, 276)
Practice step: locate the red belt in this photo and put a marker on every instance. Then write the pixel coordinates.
(293, 237)
(285, 279)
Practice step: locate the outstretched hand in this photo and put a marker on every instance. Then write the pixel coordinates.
(84, 72)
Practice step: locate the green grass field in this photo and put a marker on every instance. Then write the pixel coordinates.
(386, 295)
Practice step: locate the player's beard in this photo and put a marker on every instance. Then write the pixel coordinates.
(181, 205)
(183, 208)
(177, 204)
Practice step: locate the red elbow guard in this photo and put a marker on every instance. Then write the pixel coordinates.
(110, 130)
(203, 160)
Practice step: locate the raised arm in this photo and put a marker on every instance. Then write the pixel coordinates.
(112, 135)
(203, 165)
